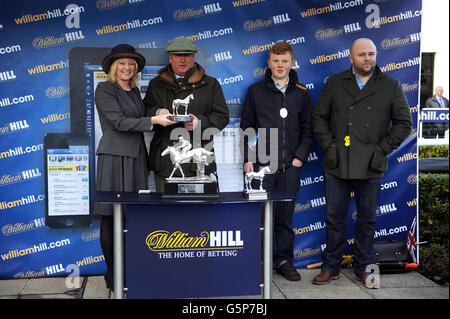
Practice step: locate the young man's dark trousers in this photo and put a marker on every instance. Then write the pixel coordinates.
(283, 234)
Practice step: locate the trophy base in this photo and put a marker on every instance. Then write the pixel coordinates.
(190, 188)
(255, 194)
(181, 118)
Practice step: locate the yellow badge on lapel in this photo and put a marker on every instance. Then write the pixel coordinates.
(347, 140)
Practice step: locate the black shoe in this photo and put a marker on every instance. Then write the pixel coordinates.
(289, 272)
(109, 283)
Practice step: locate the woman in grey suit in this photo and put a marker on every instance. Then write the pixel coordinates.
(122, 155)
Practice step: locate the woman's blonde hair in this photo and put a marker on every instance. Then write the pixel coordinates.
(112, 73)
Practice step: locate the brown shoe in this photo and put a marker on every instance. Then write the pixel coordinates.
(324, 278)
(363, 279)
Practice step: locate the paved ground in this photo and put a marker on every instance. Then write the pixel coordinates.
(409, 285)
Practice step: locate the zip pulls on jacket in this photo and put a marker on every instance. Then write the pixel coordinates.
(284, 131)
(283, 114)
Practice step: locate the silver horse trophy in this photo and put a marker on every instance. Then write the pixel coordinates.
(260, 193)
(177, 117)
(198, 186)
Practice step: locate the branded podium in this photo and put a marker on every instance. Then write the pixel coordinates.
(191, 248)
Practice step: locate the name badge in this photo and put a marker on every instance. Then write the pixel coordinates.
(283, 112)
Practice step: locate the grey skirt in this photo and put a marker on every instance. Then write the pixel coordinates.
(119, 173)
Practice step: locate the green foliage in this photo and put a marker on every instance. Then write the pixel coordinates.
(434, 227)
(431, 151)
(434, 262)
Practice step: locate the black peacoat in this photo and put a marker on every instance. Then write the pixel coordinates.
(356, 128)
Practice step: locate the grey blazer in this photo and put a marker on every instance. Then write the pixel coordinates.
(433, 102)
(121, 120)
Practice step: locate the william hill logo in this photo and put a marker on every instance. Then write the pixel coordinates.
(189, 13)
(164, 241)
(407, 87)
(53, 92)
(14, 127)
(252, 25)
(110, 4)
(390, 43)
(20, 177)
(219, 57)
(324, 34)
(50, 41)
(7, 76)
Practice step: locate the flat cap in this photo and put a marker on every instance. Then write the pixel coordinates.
(181, 45)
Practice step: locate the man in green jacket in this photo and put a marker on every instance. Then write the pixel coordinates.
(182, 77)
(361, 116)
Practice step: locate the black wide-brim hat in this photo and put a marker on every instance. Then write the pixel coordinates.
(123, 51)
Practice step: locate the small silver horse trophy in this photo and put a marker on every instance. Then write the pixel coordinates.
(258, 176)
(184, 103)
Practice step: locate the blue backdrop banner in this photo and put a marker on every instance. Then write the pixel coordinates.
(235, 37)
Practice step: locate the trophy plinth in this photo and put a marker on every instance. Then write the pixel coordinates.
(255, 194)
(190, 188)
(181, 118)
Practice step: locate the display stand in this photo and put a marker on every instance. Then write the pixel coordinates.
(121, 199)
